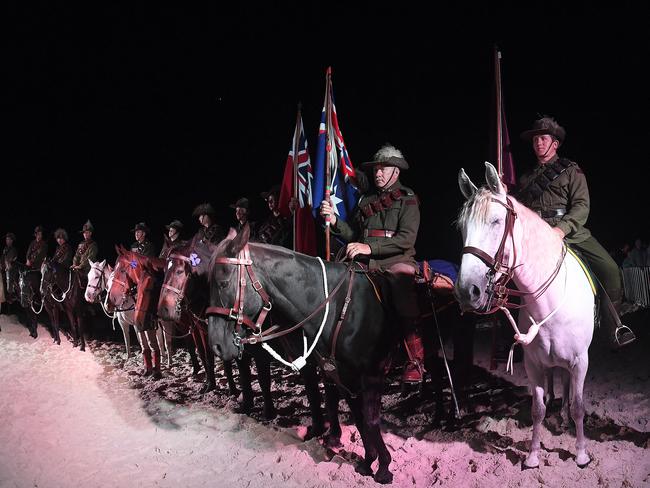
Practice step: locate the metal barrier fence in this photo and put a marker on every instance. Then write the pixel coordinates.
(636, 282)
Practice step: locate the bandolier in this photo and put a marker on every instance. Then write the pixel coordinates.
(37, 250)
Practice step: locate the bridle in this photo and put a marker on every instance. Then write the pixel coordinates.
(129, 291)
(244, 265)
(180, 293)
(498, 292)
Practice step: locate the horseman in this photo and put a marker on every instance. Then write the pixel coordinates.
(242, 214)
(142, 244)
(172, 239)
(9, 255)
(63, 253)
(86, 250)
(276, 229)
(209, 230)
(556, 188)
(37, 250)
(384, 230)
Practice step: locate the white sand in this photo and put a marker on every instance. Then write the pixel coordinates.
(87, 419)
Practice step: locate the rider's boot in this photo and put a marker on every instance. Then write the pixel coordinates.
(414, 367)
(621, 335)
(156, 365)
(146, 356)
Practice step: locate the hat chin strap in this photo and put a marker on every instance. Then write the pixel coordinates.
(389, 179)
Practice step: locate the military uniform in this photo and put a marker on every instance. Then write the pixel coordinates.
(146, 248)
(36, 253)
(63, 255)
(213, 234)
(9, 255)
(557, 190)
(86, 250)
(275, 230)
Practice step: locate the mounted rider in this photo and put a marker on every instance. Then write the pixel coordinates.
(9, 255)
(63, 253)
(86, 251)
(37, 250)
(142, 244)
(242, 215)
(209, 230)
(384, 229)
(276, 229)
(557, 190)
(172, 239)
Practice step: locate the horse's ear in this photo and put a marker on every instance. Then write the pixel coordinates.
(240, 240)
(118, 249)
(493, 180)
(90, 261)
(467, 188)
(232, 233)
(102, 264)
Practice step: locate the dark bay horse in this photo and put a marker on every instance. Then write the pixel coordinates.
(186, 290)
(350, 330)
(26, 283)
(143, 279)
(61, 289)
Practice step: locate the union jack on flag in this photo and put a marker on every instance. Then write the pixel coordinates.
(343, 194)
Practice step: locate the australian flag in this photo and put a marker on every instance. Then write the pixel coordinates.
(343, 194)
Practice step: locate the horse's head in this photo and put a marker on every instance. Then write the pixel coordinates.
(182, 263)
(28, 283)
(48, 276)
(233, 297)
(148, 271)
(487, 224)
(98, 276)
(123, 283)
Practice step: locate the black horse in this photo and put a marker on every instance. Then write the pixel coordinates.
(56, 285)
(66, 287)
(354, 342)
(27, 283)
(185, 291)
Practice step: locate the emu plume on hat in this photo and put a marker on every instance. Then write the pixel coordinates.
(88, 226)
(62, 233)
(545, 125)
(388, 155)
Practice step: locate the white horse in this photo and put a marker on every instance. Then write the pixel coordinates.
(504, 240)
(99, 279)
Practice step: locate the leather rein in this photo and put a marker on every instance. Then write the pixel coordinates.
(498, 292)
(244, 264)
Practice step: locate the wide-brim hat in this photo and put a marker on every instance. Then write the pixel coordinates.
(39, 228)
(545, 125)
(141, 226)
(275, 190)
(203, 209)
(11, 236)
(388, 155)
(62, 233)
(88, 226)
(242, 203)
(176, 224)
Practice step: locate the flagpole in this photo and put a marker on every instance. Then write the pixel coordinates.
(296, 148)
(497, 74)
(328, 148)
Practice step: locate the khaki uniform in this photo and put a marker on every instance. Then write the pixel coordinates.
(36, 253)
(63, 255)
(569, 193)
(9, 255)
(86, 250)
(170, 246)
(213, 234)
(146, 248)
(275, 230)
(391, 234)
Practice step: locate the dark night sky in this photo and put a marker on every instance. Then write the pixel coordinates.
(99, 100)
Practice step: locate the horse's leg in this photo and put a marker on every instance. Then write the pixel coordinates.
(358, 408)
(191, 349)
(54, 315)
(80, 318)
(537, 377)
(245, 383)
(566, 383)
(146, 354)
(372, 418)
(232, 386)
(167, 331)
(263, 365)
(578, 408)
(207, 357)
(309, 376)
(152, 336)
(73, 324)
(549, 397)
(126, 332)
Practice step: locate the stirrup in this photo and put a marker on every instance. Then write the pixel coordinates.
(624, 335)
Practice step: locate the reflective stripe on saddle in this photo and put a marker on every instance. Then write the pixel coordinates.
(585, 267)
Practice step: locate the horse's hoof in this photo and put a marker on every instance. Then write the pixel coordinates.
(157, 375)
(383, 477)
(82, 348)
(233, 391)
(530, 464)
(314, 431)
(270, 413)
(244, 408)
(363, 469)
(147, 372)
(582, 460)
(332, 441)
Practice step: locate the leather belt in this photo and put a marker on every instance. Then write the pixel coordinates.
(378, 233)
(549, 214)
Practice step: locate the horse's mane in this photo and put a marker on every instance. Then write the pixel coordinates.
(475, 208)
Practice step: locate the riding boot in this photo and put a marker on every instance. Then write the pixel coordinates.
(414, 367)
(620, 334)
(146, 356)
(156, 365)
